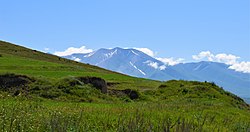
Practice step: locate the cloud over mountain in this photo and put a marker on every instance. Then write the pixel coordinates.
(228, 59)
(155, 65)
(171, 61)
(167, 61)
(241, 67)
(73, 50)
(204, 54)
(146, 51)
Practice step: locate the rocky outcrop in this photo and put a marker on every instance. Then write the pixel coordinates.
(12, 80)
(98, 83)
(132, 94)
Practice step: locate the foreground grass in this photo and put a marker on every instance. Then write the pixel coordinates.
(20, 114)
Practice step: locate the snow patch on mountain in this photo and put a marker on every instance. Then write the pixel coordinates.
(76, 59)
(134, 52)
(200, 67)
(196, 68)
(90, 54)
(137, 68)
(109, 55)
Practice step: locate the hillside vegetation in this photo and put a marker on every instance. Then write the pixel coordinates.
(43, 92)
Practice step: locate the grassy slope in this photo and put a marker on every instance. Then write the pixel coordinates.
(197, 105)
(21, 60)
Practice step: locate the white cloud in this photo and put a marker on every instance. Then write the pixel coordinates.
(72, 50)
(146, 51)
(241, 67)
(170, 61)
(223, 58)
(162, 67)
(204, 54)
(228, 59)
(155, 65)
(167, 61)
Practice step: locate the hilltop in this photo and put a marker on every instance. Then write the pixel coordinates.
(28, 76)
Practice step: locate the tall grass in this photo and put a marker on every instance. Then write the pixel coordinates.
(16, 115)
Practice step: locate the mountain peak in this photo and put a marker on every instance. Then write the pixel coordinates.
(118, 48)
(130, 61)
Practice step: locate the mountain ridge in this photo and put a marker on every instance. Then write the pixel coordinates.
(136, 63)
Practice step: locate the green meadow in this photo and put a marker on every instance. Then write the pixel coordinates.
(43, 92)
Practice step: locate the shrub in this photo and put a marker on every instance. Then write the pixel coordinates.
(213, 83)
(162, 86)
(185, 91)
(51, 94)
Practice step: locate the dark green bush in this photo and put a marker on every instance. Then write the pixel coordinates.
(181, 85)
(213, 83)
(162, 86)
(51, 94)
(185, 91)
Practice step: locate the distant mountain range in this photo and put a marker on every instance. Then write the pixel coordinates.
(136, 63)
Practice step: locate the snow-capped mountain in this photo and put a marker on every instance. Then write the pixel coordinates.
(136, 63)
(127, 61)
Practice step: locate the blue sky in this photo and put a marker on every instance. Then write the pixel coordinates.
(172, 28)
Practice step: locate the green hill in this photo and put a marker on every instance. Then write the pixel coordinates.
(56, 94)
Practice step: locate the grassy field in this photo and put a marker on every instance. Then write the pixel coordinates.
(21, 114)
(54, 99)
